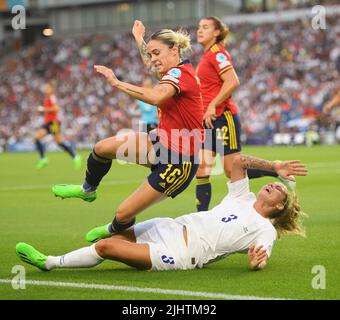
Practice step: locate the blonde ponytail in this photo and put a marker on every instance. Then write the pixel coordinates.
(180, 39)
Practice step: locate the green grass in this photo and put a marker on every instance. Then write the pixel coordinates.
(30, 213)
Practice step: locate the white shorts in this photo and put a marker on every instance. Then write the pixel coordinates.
(168, 250)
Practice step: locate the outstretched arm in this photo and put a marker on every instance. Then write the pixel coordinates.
(138, 31)
(154, 96)
(285, 169)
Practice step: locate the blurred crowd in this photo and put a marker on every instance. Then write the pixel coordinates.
(287, 71)
(265, 5)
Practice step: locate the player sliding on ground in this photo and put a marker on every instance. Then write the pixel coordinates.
(242, 222)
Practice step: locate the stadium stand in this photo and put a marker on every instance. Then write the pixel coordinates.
(287, 70)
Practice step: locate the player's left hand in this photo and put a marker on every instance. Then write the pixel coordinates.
(256, 256)
(108, 74)
(289, 169)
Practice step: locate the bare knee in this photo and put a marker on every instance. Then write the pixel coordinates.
(100, 148)
(105, 248)
(203, 171)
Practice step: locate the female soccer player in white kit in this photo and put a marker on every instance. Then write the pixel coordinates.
(242, 222)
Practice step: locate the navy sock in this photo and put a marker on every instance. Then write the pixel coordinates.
(256, 173)
(68, 149)
(97, 168)
(40, 148)
(116, 227)
(203, 193)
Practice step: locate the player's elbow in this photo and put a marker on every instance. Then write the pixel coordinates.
(155, 100)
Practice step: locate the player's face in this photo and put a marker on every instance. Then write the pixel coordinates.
(47, 89)
(162, 57)
(274, 193)
(206, 32)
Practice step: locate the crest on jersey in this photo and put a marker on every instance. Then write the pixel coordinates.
(220, 57)
(175, 73)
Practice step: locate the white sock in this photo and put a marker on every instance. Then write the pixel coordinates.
(82, 258)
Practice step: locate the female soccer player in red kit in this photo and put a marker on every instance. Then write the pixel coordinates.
(223, 129)
(52, 126)
(172, 156)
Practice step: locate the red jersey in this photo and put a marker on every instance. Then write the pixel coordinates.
(183, 111)
(214, 62)
(50, 101)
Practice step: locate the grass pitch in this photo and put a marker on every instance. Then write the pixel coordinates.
(29, 212)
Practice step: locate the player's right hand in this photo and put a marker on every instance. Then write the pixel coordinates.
(41, 108)
(108, 74)
(138, 30)
(289, 169)
(209, 117)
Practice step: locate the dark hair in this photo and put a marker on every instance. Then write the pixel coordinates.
(224, 29)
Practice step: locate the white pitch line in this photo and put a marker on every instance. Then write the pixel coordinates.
(140, 289)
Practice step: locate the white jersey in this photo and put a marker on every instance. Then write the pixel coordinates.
(232, 226)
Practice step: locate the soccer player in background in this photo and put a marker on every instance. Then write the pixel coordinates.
(171, 154)
(149, 113)
(241, 223)
(52, 126)
(218, 81)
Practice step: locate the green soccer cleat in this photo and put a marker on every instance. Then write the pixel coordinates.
(30, 255)
(42, 163)
(77, 161)
(291, 185)
(72, 191)
(98, 233)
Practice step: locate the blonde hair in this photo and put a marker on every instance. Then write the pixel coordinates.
(289, 219)
(180, 39)
(224, 30)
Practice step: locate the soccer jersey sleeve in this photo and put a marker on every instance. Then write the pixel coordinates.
(221, 62)
(178, 78)
(266, 239)
(238, 188)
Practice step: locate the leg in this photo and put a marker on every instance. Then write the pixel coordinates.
(122, 247)
(131, 147)
(203, 187)
(133, 254)
(42, 132)
(43, 162)
(60, 141)
(142, 198)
